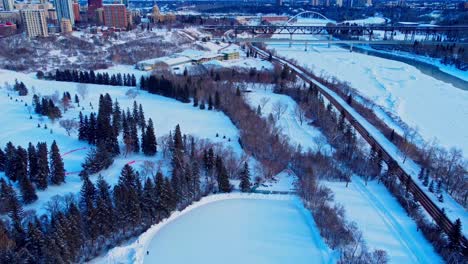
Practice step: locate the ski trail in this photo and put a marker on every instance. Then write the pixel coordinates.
(412, 249)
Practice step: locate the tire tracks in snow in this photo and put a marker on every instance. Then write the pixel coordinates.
(412, 248)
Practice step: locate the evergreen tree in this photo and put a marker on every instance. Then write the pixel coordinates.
(455, 235)
(87, 204)
(8, 198)
(195, 182)
(126, 197)
(116, 118)
(217, 102)
(42, 176)
(222, 176)
(97, 159)
(35, 241)
(104, 207)
(141, 117)
(32, 161)
(10, 157)
(57, 168)
(148, 202)
(195, 97)
(245, 179)
(92, 129)
(134, 137)
(2, 160)
(158, 190)
(28, 193)
(210, 103)
(149, 145)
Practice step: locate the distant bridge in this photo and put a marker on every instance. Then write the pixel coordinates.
(450, 33)
(336, 41)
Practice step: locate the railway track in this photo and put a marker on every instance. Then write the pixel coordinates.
(431, 208)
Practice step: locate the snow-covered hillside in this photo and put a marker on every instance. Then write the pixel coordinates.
(166, 114)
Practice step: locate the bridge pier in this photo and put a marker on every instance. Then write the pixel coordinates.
(351, 47)
(330, 37)
(305, 46)
(290, 39)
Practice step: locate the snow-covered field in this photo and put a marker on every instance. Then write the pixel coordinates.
(383, 222)
(166, 114)
(305, 135)
(437, 109)
(230, 228)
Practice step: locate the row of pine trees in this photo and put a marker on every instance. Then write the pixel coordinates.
(32, 168)
(94, 78)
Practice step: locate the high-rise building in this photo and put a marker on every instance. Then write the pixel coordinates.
(8, 5)
(34, 22)
(92, 6)
(279, 2)
(99, 15)
(369, 2)
(339, 3)
(65, 25)
(315, 2)
(64, 9)
(76, 12)
(115, 15)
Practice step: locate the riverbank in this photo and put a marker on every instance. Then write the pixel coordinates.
(429, 66)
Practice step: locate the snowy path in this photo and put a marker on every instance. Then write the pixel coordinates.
(383, 221)
(233, 227)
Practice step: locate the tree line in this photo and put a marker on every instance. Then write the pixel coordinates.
(91, 77)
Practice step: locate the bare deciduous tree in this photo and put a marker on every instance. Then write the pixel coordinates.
(300, 113)
(148, 168)
(278, 110)
(132, 93)
(69, 125)
(409, 137)
(82, 90)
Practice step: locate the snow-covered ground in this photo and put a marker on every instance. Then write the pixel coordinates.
(166, 114)
(437, 109)
(284, 181)
(305, 135)
(383, 222)
(232, 228)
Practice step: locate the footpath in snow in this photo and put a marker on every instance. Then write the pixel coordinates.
(383, 222)
(236, 227)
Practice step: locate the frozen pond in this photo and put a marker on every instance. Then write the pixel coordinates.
(240, 231)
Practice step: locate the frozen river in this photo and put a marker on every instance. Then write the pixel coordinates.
(437, 109)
